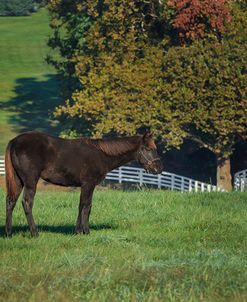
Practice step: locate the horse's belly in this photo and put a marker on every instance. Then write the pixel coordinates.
(60, 178)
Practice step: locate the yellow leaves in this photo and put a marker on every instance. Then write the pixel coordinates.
(80, 7)
(127, 82)
(53, 3)
(115, 36)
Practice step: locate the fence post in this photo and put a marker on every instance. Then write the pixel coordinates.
(141, 177)
(173, 182)
(182, 185)
(235, 183)
(196, 186)
(241, 184)
(202, 187)
(120, 174)
(159, 181)
(190, 185)
(209, 188)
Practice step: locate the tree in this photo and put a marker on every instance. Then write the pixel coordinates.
(207, 84)
(90, 27)
(116, 36)
(195, 19)
(131, 75)
(17, 8)
(69, 23)
(213, 73)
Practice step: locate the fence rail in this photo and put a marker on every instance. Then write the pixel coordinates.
(240, 180)
(165, 180)
(141, 177)
(2, 166)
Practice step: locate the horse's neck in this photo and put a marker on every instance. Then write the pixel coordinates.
(120, 160)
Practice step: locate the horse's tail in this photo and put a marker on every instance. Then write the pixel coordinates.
(10, 174)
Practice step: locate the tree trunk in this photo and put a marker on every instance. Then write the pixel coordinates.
(224, 178)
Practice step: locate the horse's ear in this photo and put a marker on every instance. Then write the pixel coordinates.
(147, 136)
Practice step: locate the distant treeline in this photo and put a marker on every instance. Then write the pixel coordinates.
(19, 8)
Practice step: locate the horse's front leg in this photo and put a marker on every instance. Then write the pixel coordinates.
(82, 224)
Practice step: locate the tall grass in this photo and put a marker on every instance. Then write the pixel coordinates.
(144, 246)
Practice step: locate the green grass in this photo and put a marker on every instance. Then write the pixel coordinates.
(143, 246)
(28, 86)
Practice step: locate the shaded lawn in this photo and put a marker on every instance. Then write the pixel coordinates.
(144, 246)
(28, 86)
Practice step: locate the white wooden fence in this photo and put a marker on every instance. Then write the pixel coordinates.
(139, 176)
(2, 167)
(165, 180)
(240, 180)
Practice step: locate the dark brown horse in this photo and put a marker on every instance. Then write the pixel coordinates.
(79, 162)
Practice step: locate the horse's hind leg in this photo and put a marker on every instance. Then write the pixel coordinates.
(27, 202)
(10, 205)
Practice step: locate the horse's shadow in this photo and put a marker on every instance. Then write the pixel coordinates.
(67, 229)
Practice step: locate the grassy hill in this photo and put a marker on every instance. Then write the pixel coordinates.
(28, 86)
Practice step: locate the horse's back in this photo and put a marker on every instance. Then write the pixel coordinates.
(31, 151)
(32, 145)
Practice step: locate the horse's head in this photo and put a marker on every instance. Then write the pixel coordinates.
(147, 155)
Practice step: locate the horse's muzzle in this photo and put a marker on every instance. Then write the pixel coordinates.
(155, 168)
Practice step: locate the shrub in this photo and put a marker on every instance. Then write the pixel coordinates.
(17, 7)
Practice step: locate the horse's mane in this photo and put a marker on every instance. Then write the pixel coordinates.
(115, 146)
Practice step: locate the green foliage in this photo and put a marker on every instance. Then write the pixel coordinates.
(109, 64)
(17, 7)
(143, 246)
(69, 23)
(206, 84)
(2, 8)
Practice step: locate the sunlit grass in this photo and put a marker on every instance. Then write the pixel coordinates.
(143, 246)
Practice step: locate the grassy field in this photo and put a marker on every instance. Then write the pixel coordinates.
(28, 86)
(143, 246)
